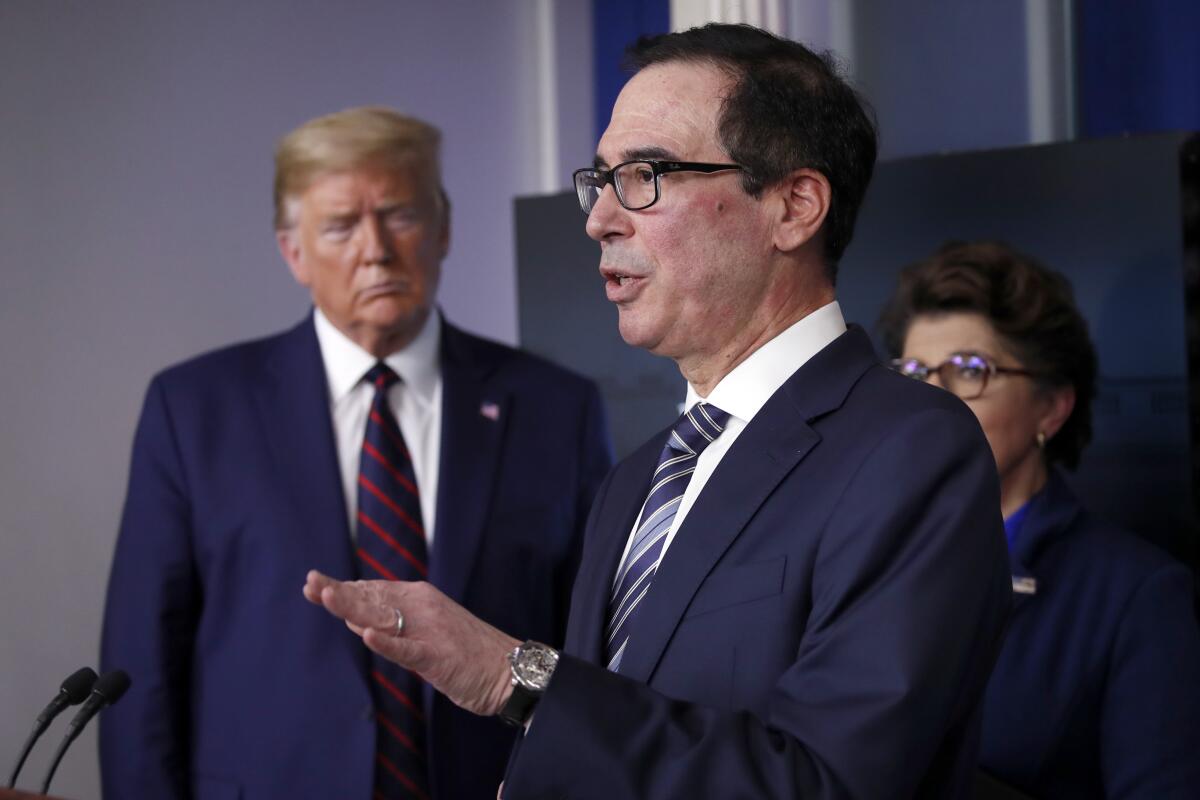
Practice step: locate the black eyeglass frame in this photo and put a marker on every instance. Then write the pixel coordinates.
(658, 168)
(965, 359)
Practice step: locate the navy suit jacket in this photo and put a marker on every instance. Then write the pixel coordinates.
(821, 626)
(240, 687)
(1097, 690)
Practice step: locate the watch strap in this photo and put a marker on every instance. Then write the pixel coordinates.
(520, 705)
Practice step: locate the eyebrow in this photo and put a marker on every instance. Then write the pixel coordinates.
(398, 206)
(638, 154)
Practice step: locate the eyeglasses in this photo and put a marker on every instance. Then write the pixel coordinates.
(965, 374)
(635, 182)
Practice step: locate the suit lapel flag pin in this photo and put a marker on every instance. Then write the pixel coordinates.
(490, 410)
(1024, 585)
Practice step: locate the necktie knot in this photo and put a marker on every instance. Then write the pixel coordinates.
(381, 376)
(697, 428)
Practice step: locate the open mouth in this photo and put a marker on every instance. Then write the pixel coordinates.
(621, 287)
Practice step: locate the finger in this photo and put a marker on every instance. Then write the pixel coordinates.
(364, 605)
(314, 582)
(358, 630)
(408, 653)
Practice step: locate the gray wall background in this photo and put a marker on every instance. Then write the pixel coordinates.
(135, 144)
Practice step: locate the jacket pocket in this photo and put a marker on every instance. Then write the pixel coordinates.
(744, 583)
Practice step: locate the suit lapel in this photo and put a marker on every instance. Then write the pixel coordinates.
(771, 446)
(762, 456)
(1051, 511)
(293, 408)
(474, 419)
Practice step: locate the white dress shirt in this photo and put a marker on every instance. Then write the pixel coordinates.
(416, 401)
(745, 390)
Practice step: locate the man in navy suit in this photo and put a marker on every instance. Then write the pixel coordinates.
(799, 589)
(251, 464)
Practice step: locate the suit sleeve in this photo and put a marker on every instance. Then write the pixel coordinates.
(150, 619)
(910, 588)
(1150, 718)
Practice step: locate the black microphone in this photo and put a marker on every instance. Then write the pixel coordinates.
(107, 690)
(72, 692)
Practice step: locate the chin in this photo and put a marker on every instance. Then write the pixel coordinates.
(631, 332)
(643, 340)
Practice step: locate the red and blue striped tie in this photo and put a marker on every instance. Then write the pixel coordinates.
(391, 546)
(694, 431)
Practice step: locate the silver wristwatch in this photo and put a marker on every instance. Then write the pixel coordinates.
(532, 664)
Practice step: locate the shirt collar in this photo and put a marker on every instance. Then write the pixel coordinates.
(751, 383)
(346, 362)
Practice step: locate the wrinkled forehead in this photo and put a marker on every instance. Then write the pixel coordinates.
(667, 111)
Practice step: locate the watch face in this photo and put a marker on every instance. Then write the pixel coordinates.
(534, 665)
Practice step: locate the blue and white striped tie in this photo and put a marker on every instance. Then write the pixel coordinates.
(694, 431)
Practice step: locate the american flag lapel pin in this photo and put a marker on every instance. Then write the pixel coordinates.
(1024, 585)
(490, 410)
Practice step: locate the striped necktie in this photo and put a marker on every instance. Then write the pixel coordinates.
(391, 546)
(694, 431)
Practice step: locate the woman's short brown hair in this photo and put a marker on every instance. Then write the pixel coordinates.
(1032, 309)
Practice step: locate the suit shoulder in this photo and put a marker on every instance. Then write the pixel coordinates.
(896, 394)
(246, 357)
(1109, 552)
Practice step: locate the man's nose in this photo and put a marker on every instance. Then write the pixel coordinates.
(377, 245)
(608, 218)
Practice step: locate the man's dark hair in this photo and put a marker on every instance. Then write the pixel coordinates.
(1031, 308)
(788, 109)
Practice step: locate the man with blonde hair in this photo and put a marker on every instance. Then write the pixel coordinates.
(374, 439)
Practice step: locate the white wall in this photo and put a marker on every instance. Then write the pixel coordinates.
(135, 230)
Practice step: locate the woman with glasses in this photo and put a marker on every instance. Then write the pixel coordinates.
(1096, 692)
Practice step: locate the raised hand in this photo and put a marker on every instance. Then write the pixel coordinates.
(459, 654)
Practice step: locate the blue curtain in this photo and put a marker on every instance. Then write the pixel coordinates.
(615, 25)
(1138, 66)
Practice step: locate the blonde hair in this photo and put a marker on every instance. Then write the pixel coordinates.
(365, 137)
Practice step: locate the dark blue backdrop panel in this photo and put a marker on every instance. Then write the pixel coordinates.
(1110, 214)
(615, 25)
(1138, 66)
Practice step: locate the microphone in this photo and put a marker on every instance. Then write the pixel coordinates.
(106, 691)
(72, 692)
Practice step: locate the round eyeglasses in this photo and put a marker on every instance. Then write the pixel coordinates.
(964, 374)
(635, 182)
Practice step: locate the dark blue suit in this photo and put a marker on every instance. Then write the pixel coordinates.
(1097, 690)
(821, 626)
(240, 687)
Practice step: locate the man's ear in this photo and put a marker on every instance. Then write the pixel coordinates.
(804, 198)
(289, 248)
